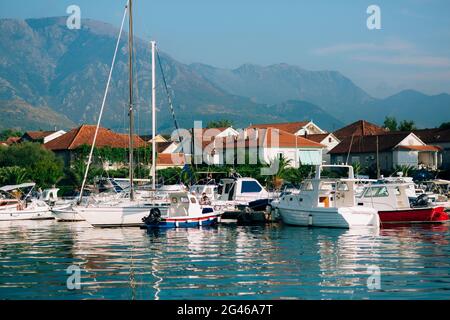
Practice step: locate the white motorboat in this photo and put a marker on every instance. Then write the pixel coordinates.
(117, 214)
(185, 211)
(16, 205)
(328, 203)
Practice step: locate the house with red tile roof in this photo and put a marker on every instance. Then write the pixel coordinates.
(10, 141)
(391, 148)
(170, 160)
(298, 128)
(66, 145)
(41, 136)
(266, 145)
(437, 137)
(359, 128)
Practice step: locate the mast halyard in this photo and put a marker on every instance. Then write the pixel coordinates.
(130, 49)
(154, 114)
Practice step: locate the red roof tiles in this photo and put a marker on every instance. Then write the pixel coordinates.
(271, 138)
(84, 135)
(290, 127)
(385, 142)
(359, 128)
(37, 135)
(172, 159)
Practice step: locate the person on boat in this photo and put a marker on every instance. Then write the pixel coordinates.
(205, 201)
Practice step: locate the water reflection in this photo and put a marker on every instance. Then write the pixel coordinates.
(273, 262)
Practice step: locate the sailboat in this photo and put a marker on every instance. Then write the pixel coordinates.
(131, 211)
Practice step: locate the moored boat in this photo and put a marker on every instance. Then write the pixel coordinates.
(16, 205)
(185, 211)
(393, 204)
(327, 203)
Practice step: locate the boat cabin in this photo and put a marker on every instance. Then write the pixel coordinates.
(184, 204)
(211, 191)
(329, 192)
(241, 189)
(385, 197)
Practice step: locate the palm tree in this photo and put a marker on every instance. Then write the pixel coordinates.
(357, 168)
(404, 169)
(282, 164)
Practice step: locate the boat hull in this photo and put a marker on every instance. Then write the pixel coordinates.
(417, 215)
(186, 222)
(344, 218)
(112, 217)
(35, 214)
(67, 215)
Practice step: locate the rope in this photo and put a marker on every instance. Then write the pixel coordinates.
(169, 98)
(172, 110)
(103, 105)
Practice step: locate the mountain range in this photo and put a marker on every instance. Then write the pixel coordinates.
(51, 76)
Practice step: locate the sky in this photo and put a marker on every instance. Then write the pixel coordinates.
(410, 51)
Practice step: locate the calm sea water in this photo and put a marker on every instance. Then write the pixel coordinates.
(273, 262)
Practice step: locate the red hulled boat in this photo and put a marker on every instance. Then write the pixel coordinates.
(394, 206)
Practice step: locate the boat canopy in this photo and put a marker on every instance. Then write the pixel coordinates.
(19, 186)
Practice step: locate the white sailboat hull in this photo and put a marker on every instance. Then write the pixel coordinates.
(66, 214)
(110, 217)
(41, 213)
(348, 217)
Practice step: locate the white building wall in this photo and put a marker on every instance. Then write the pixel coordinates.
(406, 158)
(291, 154)
(329, 146)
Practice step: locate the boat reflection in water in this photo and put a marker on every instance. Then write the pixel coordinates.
(272, 262)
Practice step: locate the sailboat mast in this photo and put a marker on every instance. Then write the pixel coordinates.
(130, 49)
(154, 114)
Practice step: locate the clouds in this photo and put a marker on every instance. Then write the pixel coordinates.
(390, 45)
(401, 60)
(390, 52)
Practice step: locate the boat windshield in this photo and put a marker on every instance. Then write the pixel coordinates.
(374, 192)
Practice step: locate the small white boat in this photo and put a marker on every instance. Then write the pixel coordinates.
(185, 211)
(16, 205)
(119, 214)
(235, 194)
(327, 203)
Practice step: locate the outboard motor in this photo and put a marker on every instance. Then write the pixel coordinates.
(153, 217)
(421, 201)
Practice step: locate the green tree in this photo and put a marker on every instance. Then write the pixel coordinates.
(297, 175)
(219, 124)
(42, 166)
(445, 125)
(406, 125)
(13, 175)
(391, 123)
(9, 133)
